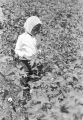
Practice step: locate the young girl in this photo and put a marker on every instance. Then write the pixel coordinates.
(26, 46)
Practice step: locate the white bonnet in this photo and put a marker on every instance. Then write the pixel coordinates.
(31, 22)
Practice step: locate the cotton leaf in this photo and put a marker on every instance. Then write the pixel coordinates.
(5, 58)
(32, 62)
(17, 81)
(20, 95)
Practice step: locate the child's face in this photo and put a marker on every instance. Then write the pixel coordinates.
(36, 30)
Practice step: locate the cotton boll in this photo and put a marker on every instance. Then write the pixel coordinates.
(9, 99)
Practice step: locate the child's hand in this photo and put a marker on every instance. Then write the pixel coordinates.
(33, 59)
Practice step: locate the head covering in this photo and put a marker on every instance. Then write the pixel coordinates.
(30, 23)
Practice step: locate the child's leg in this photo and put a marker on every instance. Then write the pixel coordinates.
(27, 63)
(24, 81)
(39, 69)
(36, 70)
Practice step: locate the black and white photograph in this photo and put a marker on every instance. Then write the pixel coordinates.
(41, 59)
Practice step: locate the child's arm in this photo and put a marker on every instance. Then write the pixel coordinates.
(18, 48)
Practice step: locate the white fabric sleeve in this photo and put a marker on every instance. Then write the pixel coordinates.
(18, 50)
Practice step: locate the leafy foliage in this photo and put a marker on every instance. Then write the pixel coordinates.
(57, 94)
